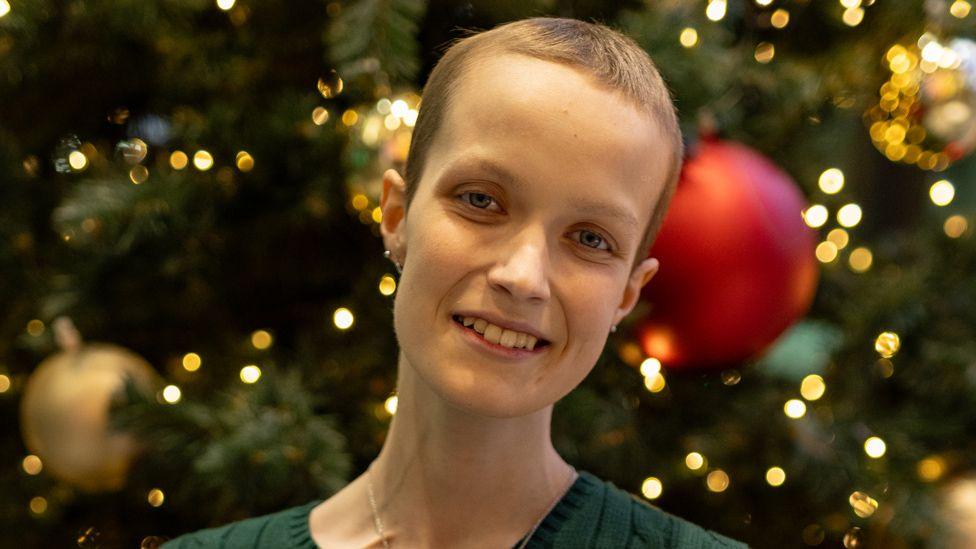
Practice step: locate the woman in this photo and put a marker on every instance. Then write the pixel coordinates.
(543, 159)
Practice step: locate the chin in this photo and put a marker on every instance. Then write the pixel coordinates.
(486, 396)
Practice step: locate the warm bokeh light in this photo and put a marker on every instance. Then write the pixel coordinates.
(38, 505)
(853, 16)
(387, 285)
(331, 85)
(695, 461)
(250, 374)
(795, 408)
(826, 252)
(765, 52)
(716, 9)
(4, 7)
(390, 405)
(775, 476)
(955, 226)
(816, 215)
(202, 160)
(245, 162)
(831, 181)
(942, 192)
(655, 382)
(960, 8)
(717, 480)
(860, 259)
(261, 339)
(343, 318)
(191, 362)
(839, 237)
(138, 174)
(350, 117)
(156, 497)
(4, 383)
(172, 394)
(32, 465)
(360, 202)
(875, 447)
(887, 344)
(320, 115)
(812, 387)
(650, 366)
(652, 488)
(178, 160)
(77, 160)
(864, 505)
(377, 214)
(689, 37)
(35, 327)
(730, 377)
(931, 468)
(849, 215)
(399, 108)
(780, 18)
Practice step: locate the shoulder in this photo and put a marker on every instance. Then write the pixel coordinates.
(681, 533)
(287, 528)
(651, 526)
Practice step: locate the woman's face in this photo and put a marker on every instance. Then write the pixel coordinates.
(534, 197)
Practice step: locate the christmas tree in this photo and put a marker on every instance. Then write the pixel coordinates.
(198, 309)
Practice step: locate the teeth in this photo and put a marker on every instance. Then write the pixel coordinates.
(499, 335)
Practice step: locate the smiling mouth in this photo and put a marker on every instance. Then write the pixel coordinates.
(540, 344)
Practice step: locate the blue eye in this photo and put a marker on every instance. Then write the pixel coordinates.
(599, 239)
(484, 199)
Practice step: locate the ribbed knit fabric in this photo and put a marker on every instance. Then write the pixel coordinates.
(593, 513)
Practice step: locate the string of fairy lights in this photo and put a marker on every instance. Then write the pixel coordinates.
(385, 128)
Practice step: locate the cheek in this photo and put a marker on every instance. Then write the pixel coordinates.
(435, 260)
(589, 306)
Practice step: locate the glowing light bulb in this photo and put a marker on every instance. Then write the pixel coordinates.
(652, 488)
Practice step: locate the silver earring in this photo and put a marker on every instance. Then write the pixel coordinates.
(613, 328)
(399, 267)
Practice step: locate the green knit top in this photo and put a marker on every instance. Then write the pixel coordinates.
(593, 513)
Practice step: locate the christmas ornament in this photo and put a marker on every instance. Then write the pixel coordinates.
(381, 134)
(805, 348)
(737, 261)
(926, 112)
(65, 411)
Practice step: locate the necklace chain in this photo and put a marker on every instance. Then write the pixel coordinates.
(378, 524)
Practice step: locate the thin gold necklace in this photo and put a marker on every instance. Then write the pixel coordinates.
(378, 524)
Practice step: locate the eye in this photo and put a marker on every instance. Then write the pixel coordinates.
(594, 237)
(479, 198)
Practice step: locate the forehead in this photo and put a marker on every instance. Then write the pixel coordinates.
(555, 126)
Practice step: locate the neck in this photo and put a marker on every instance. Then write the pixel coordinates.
(446, 476)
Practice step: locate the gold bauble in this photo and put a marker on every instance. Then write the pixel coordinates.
(926, 111)
(64, 414)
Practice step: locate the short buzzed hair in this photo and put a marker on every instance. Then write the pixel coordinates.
(613, 59)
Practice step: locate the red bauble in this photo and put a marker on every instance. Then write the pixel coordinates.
(737, 261)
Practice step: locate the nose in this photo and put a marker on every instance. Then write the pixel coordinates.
(522, 267)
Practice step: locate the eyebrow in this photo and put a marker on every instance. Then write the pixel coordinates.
(583, 205)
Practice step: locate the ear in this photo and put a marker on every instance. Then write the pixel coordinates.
(393, 206)
(642, 274)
